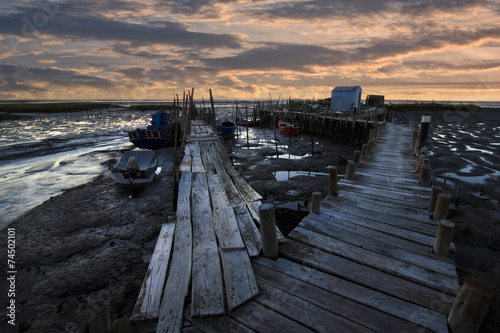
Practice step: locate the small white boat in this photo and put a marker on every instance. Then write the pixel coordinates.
(135, 167)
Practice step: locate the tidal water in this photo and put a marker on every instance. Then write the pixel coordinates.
(42, 156)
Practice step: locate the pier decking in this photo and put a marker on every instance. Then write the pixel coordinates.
(363, 264)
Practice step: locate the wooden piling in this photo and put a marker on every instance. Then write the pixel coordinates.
(413, 142)
(364, 152)
(444, 237)
(424, 131)
(98, 312)
(434, 194)
(469, 307)
(425, 177)
(357, 156)
(350, 171)
(268, 232)
(316, 202)
(332, 185)
(442, 206)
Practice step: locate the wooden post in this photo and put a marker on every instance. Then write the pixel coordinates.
(434, 194)
(420, 162)
(98, 316)
(268, 232)
(315, 202)
(425, 176)
(424, 131)
(332, 185)
(414, 135)
(442, 206)
(469, 307)
(371, 144)
(364, 152)
(444, 237)
(350, 171)
(357, 156)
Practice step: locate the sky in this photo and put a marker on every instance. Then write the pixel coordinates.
(446, 50)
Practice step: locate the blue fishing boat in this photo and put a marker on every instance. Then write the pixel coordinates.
(226, 129)
(157, 135)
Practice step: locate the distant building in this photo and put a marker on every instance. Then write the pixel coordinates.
(375, 100)
(346, 98)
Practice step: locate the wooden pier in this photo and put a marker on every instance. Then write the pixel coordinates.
(364, 263)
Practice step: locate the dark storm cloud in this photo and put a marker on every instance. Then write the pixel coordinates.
(27, 22)
(18, 75)
(279, 56)
(421, 41)
(190, 7)
(423, 65)
(316, 9)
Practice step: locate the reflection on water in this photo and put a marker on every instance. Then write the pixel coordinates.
(281, 176)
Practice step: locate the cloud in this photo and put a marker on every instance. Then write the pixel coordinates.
(279, 56)
(320, 9)
(28, 22)
(19, 75)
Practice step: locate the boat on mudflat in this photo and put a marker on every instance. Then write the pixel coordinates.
(248, 123)
(287, 128)
(157, 135)
(135, 167)
(226, 129)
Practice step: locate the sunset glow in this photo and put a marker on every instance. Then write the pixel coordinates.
(247, 49)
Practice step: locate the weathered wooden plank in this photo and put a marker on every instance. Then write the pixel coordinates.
(253, 207)
(305, 313)
(420, 199)
(176, 288)
(197, 165)
(262, 319)
(384, 303)
(425, 260)
(370, 204)
(148, 302)
(186, 163)
(239, 278)
(225, 224)
(232, 192)
(371, 182)
(216, 324)
(206, 157)
(206, 290)
(383, 263)
(373, 319)
(381, 216)
(368, 277)
(246, 191)
(248, 229)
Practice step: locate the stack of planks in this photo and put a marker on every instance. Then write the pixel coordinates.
(209, 245)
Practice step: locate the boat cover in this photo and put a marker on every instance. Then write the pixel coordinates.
(145, 160)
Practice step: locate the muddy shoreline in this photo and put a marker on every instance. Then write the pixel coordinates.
(100, 236)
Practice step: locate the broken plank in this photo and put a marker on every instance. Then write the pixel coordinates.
(176, 289)
(206, 290)
(225, 224)
(148, 302)
(248, 229)
(239, 278)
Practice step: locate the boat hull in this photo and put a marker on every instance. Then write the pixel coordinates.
(226, 129)
(135, 167)
(287, 128)
(149, 139)
(244, 123)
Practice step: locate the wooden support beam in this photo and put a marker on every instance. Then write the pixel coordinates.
(444, 237)
(270, 246)
(442, 206)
